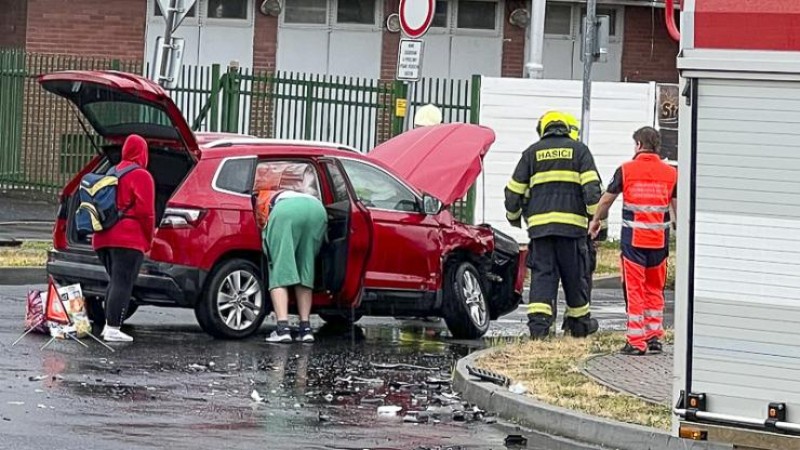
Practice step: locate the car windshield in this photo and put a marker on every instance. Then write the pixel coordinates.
(119, 118)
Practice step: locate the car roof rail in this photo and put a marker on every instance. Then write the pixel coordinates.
(231, 142)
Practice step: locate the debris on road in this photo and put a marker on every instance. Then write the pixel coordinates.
(197, 367)
(256, 397)
(37, 378)
(400, 366)
(16, 403)
(389, 410)
(518, 388)
(516, 441)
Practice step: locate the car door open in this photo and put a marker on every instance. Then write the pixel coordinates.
(349, 239)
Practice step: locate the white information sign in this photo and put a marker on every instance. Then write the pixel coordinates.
(409, 60)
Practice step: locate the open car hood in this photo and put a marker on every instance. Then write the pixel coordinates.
(441, 160)
(118, 104)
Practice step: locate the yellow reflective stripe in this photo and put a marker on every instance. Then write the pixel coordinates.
(104, 182)
(558, 217)
(516, 187)
(604, 224)
(577, 312)
(555, 176)
(93, 214)
(592, 209)
(513, 215)
(589, 176)
(540, 308)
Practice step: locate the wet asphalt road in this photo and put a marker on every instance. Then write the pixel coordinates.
(175, 387)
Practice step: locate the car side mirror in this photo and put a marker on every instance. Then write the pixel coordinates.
(431, 205)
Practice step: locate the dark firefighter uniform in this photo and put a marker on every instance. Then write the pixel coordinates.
(554, 188)
(575, 134)
(647, 185)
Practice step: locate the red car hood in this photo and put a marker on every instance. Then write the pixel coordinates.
(441, 160)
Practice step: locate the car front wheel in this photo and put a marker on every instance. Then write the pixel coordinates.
(465, 310)
(234, 303)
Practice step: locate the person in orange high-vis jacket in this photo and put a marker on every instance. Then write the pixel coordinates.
(647, 185)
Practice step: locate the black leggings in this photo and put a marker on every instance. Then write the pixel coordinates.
(122, 266)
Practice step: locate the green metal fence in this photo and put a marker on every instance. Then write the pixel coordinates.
(42, 144)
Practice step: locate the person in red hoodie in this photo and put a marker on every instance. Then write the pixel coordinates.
(121, 248)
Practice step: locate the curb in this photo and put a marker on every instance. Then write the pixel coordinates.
(563, 422)
(21, 276)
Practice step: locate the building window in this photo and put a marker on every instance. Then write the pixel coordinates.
(306, 12)
(356, 11)
(558, 20)
(440, 15)
(477, 15)
(227, 9)
(192, 11)
(612, 18)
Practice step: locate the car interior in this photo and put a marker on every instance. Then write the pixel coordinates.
(168, 168)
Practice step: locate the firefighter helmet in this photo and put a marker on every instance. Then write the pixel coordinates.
(428, 115)
(574, 127)
(551, 119)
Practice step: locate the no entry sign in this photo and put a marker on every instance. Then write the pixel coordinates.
(416, 17)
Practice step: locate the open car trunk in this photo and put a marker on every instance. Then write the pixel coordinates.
(168, 168)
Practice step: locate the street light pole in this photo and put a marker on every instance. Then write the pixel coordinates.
(588, 58)
(167, 43)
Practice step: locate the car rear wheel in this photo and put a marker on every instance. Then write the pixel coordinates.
(234, 303)
(341, 319)
(465, 309)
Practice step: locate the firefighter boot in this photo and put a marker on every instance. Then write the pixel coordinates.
(539, 325)
(654, 345)
(580, 327)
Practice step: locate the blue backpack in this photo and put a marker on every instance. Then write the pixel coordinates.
(98, 201)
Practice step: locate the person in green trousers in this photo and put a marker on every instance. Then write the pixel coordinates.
(292, 239)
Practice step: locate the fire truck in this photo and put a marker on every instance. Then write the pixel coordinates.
(737, 318)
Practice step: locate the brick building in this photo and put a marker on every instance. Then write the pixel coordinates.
(347, 37)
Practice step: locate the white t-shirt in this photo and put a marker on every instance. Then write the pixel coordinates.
(292, 194)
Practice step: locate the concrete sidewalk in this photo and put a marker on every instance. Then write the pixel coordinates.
(648, 377)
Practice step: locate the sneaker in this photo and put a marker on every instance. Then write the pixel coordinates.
(654, 346)
(115, 335)
(632, 351)
(306, 335)
(276, 337)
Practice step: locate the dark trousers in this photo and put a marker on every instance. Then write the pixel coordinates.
(592, 251)
(122, 266)
(554, 259)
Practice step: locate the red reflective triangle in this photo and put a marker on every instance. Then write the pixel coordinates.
(55, 311)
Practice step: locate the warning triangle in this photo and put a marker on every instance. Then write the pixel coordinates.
(55, 311)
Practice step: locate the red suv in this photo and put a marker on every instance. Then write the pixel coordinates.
(393, 247)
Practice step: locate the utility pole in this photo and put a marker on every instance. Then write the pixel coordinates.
(170, 15)
(589, 37)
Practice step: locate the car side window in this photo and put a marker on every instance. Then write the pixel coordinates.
(234, 175)
(290, 175)
(338, 182)
(377, 189)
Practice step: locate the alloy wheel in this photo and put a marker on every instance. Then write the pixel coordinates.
(476, 304)
(239, 300)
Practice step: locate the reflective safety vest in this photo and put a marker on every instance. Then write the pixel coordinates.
(647, 187)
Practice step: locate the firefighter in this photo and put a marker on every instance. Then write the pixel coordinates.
(647, 185)
(575, 134)
(553, 186)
